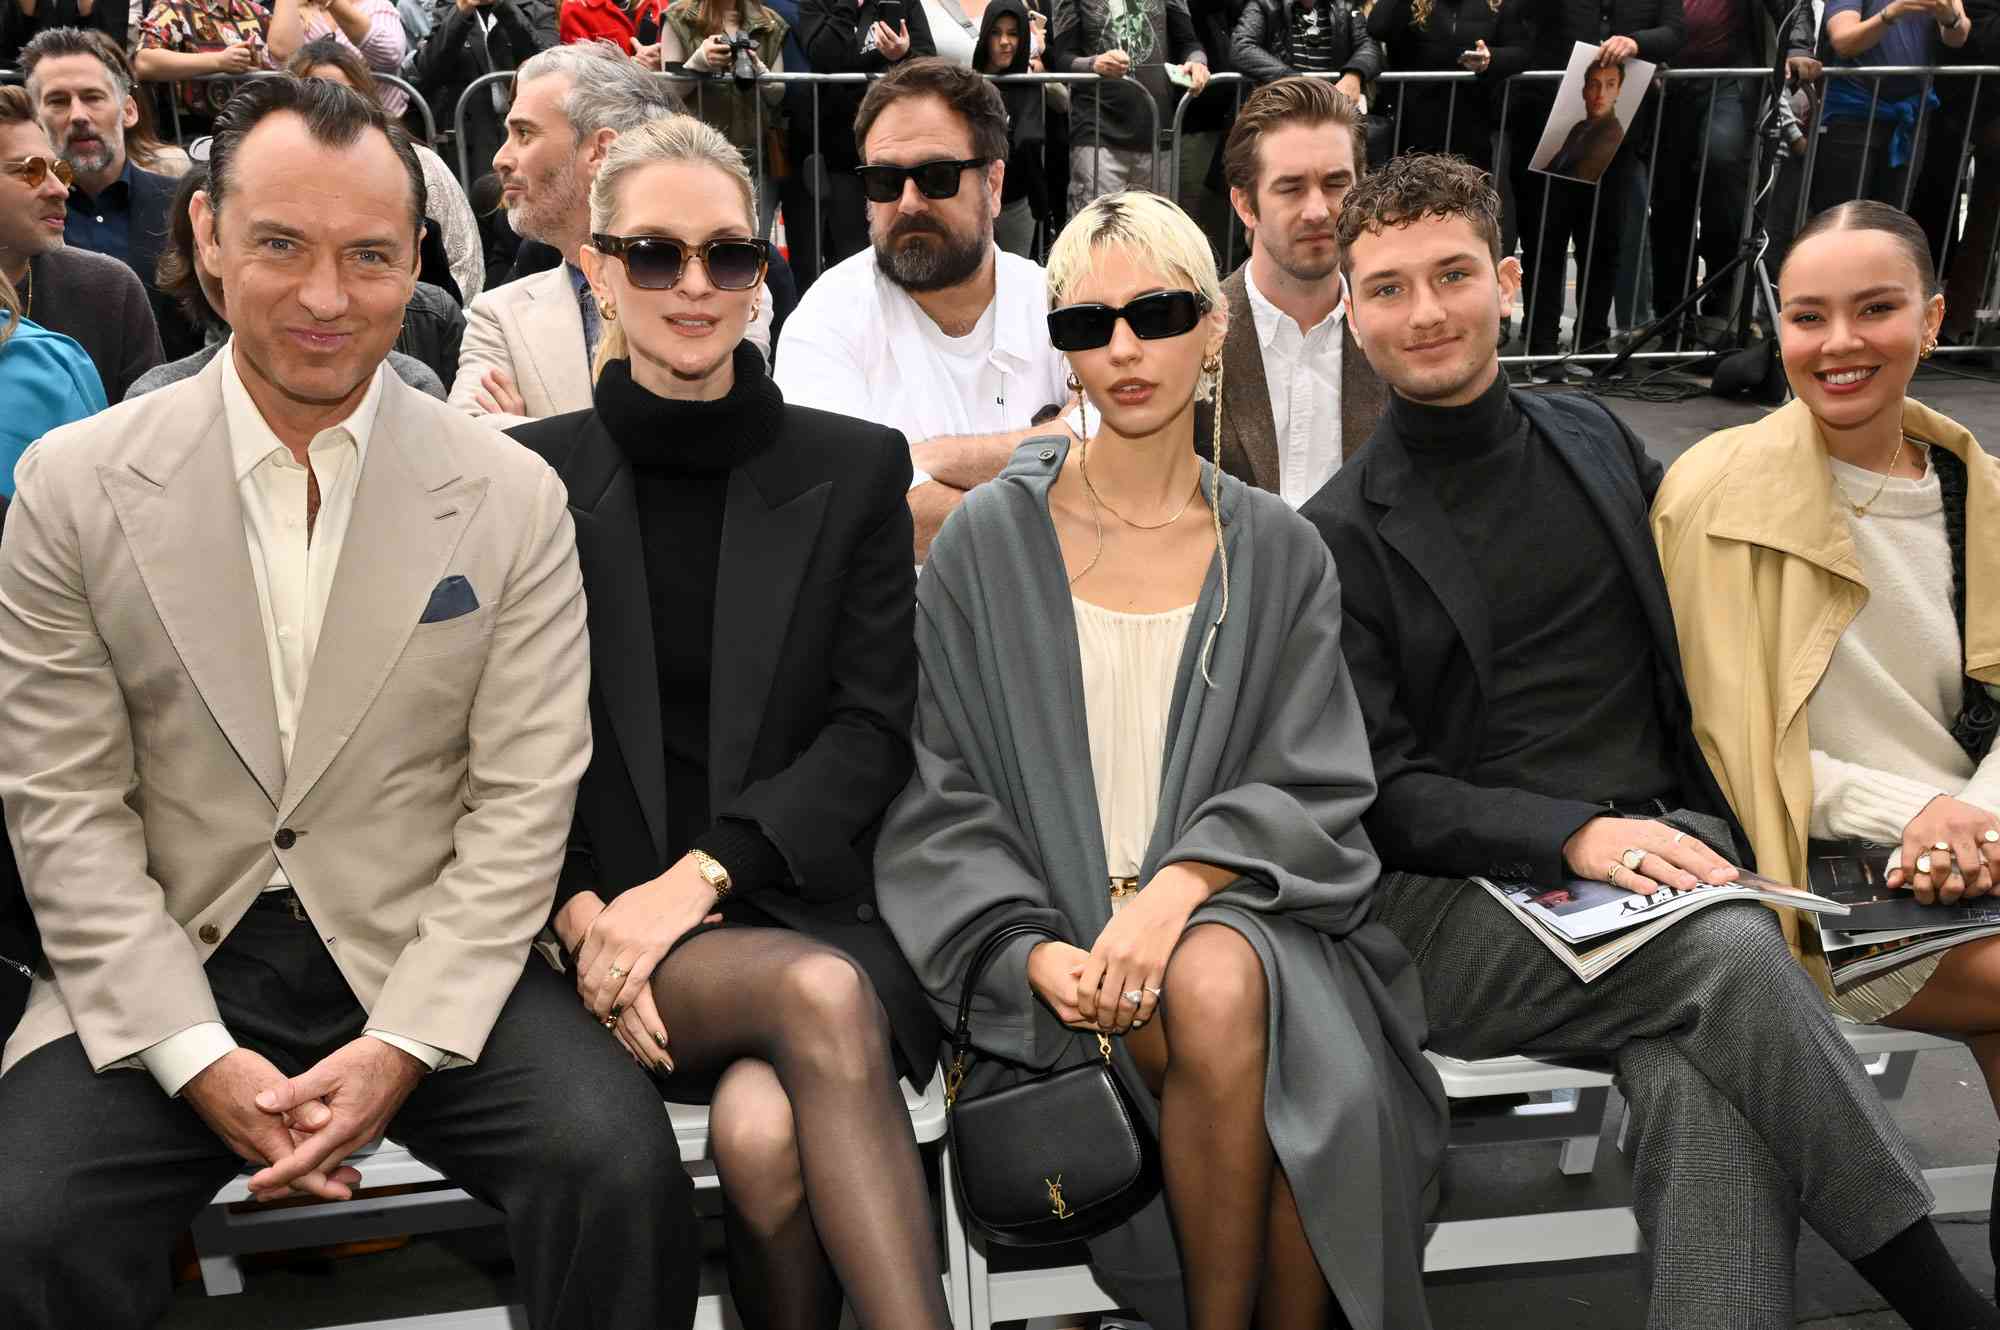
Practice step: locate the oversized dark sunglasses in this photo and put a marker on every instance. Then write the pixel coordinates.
(656, 263)
(32, 171)
(935, 180)
(1151, 317)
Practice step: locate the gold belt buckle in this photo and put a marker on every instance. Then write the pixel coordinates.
(1121, 887)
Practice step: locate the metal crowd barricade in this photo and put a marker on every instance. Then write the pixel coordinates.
(469, 171)
(417, 100)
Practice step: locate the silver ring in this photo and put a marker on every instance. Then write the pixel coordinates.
(1135, 995)
(1154, 991)
(1632, 858)
(1991, 837)
(1680, 836)
(1942, 845)
(1923, 863)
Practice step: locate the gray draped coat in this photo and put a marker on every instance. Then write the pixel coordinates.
(1267, 774)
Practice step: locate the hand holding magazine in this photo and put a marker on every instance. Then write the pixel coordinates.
(1886, 927)
(1591, 926)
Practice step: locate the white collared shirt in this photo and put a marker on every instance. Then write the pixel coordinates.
(1302, 375)
(859, 346)
(294, 578)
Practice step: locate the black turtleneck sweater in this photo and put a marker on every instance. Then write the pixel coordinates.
(682, 454)
(1574, 713)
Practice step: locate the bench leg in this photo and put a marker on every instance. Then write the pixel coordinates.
(1579, 1152)
(958, 1290)
(1894, 1076)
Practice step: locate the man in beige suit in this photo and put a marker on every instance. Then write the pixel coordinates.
(1298, 397)
(293, 675)
(528, 344)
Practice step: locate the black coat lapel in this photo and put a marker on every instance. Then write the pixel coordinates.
(1416, 528)
(623, 667)
(766, 545)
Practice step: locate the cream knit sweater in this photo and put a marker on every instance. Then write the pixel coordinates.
(1880, 719)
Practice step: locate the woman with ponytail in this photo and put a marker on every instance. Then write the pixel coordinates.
(1136, 732)
(747, 568)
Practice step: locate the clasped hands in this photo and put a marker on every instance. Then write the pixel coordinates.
(618, 946)
(1092, 990)
(1668, 857)
(1954, 848)
(303, 1128)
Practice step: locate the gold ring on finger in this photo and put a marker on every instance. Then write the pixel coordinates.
(1923, 863)
(619, 972)
(1632, 858)
(1612, 875)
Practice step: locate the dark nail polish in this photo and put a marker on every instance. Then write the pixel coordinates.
(661, 1040)
(616, 1012)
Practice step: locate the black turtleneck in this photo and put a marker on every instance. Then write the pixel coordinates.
(682, 454)
(1574, 712)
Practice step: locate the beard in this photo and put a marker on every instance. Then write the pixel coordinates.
(933, 264)
(549, 201)
(90, 157)
(1301, 267)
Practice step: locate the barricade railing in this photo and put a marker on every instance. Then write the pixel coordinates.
(703, 84)
(417, 101)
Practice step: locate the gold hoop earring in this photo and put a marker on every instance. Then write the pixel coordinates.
(608, 310)
(1930, 345)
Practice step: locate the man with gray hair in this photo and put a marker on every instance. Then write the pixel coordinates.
(529, 343)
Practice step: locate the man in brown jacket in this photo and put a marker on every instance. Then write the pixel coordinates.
(1298, 396)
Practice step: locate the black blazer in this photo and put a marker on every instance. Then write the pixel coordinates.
(1418, 640)
(833, 34)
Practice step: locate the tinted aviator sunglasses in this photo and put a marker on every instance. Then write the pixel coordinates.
(935, 180)
(32, 171)
(1150, 317)
(656, 263)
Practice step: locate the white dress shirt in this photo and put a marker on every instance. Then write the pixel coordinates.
(859, 346)
(294, 578)
(1302, 374)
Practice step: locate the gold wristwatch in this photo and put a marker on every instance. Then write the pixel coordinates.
(712, 872)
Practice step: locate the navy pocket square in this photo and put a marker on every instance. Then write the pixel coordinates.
(450, 598)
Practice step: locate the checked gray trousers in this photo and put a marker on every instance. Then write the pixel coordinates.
(1749, 1109)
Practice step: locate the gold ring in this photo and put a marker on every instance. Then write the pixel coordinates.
(618, 972)
(1632, 858)
(1612, 876)
(1923, 863)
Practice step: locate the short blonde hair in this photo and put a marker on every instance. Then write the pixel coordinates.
(1144, 225)
(666, 138)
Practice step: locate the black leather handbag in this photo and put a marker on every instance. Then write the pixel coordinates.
(1062, 1157)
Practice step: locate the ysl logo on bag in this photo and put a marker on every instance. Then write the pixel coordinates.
(1057, 1205)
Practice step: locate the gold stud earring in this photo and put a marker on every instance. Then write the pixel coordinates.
(608, 310)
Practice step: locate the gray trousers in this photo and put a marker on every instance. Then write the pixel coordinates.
(1749, 1109)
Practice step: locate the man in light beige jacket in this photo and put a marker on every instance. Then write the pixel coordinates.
(293, 676)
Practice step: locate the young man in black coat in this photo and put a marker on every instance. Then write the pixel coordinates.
(1507, 628)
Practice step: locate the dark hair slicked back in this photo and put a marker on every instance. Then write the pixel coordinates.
(1868, 215)
(967, 95)
(335, 116)
(1418, 185)
(1294, 100)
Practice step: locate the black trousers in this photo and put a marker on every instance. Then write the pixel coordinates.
(554, 1125)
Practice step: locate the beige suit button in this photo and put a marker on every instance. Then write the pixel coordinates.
(209, 935)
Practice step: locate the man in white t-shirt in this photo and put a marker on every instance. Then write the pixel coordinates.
(933, 331)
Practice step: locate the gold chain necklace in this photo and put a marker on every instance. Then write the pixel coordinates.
(1096, 498)
(1861, 509)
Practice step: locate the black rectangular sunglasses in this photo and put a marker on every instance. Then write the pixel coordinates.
(1150, 317)
(935, 180)
(655, 263)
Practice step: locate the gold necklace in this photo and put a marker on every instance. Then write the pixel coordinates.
(1096, 498)
(1861, 509)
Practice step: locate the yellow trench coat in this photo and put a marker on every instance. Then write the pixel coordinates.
(1763, 578)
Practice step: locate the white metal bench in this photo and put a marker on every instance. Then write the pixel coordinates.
(233, 1225)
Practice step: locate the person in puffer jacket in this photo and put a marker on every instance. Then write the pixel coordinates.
(1276, 38)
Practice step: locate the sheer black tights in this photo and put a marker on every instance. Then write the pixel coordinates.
(823, 1188)
(1244, 1254)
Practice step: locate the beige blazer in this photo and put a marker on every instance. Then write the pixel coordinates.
(533, 329)
(435, 765)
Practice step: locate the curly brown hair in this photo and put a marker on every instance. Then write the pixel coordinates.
(1417, 185)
